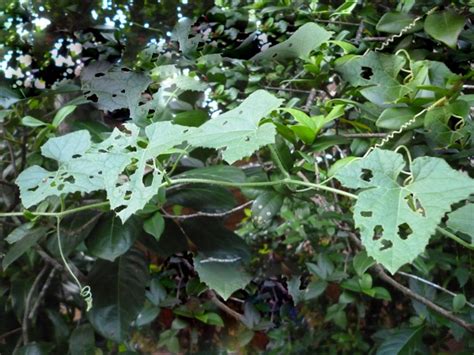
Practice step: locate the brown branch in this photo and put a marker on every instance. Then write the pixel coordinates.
(364, 135)
(310, 100)
(287, 89)
(11, 332)
(336, 22)
(223, 307)
(42, 292)
(24, 325)
(379, 271)
(207, 214)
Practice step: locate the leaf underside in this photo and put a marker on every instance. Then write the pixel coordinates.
(396, 220)
(86, 167)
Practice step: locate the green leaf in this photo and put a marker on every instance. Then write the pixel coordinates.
(210, 318)
(445, 26)
(377, 75)
(119, 294)
(401, 341)
(155, 225)
(62, 114)
(27, 241)
(113, 88)
(223, 277)
(339, 164)
(365, 282)
(110, 238)
(362, 262)
(345, 9)
(415, 208)
(82, 341)
(29, 121)
(266, 206)
(395, 117)
(314, 290)
(8, 97)
(395, 22)
(459, 301)
(307, 38)
(462, 220)
(238, 130)
(216, 172)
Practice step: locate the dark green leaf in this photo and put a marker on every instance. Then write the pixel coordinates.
(110, 238)
(119, 293)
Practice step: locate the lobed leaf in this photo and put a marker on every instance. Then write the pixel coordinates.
(396, 220)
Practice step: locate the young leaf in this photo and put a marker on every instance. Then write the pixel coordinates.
(62, 114)
(396, 221)
(29, 121)
(155, 225)
(445, 27)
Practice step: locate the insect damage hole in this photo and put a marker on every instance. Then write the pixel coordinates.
(366, 175)
(415, 205)
(366, 214)
(386, 244)
(366, 73)
(404, 231)
(378, 232)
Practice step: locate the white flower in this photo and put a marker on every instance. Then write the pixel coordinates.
(75, 48)
(10, 72)
(25, 59)
(40, 84)
(60, 60)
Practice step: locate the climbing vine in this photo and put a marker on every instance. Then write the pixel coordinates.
(308, 173)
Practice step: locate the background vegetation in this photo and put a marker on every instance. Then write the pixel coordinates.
(212, 171)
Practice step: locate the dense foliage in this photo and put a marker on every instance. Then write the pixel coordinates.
(252, 176)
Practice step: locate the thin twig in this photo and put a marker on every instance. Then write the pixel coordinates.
(441, 288)
(364, 135)
(310, 100)
(207, 214)
(336, 22)
(374, 39)
(379, 271)
(7, 334)
(359, 32)
(287, 89)
(42, 292)
(223, 307)
(24, 325)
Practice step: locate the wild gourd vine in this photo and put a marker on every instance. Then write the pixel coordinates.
(396, 211)
(376, 150)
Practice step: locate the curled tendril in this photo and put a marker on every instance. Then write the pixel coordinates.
(85, 292)
(403, 31)
(86, 295)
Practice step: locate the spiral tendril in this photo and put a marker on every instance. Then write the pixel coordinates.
(85, 292)
(404, 30)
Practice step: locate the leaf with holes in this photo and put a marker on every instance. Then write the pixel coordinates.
(396, 219)
(377, 75)
(238, 130)
(111, 87)
(78, 171)
(307, 38)
(84, 167)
